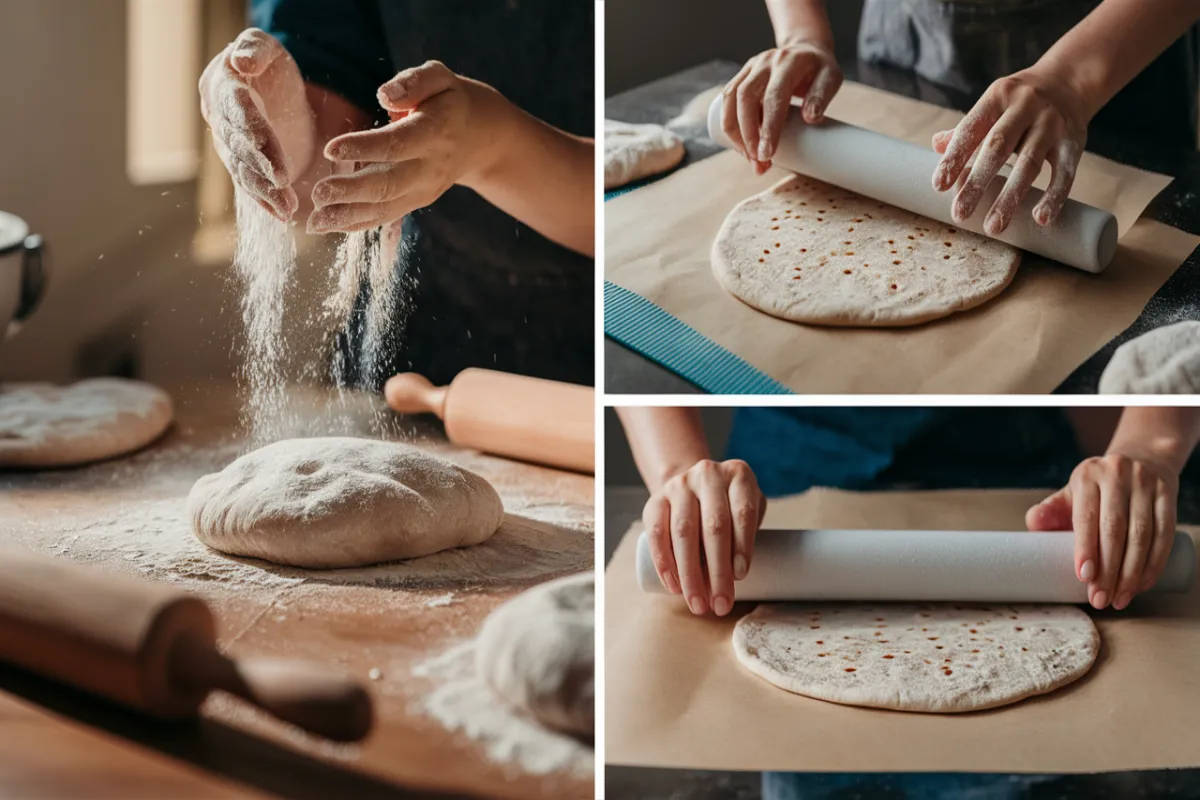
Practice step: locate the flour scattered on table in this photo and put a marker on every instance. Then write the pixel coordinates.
(440, 600)
(461, 702)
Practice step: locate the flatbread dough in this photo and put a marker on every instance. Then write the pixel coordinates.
(1164, 361)
(635, 151)
(341, 502)
(42, 425)
(806, 251)
(536, 652)
(928, 657)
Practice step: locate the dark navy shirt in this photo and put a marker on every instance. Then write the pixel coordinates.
(481, 288)
(794, 449)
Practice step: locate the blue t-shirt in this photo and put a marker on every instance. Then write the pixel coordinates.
(480, 289)
(794, 449)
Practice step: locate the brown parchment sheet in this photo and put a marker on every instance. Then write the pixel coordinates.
(676, 696)
(1027, 340)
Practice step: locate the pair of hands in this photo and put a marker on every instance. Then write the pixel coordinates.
(1031, 113)
(702, 523)
(444, 130)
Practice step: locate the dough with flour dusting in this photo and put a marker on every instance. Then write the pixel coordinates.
(929, 657)
(341, 502)
(1164, 361)
(42, 425)
(636, 151)
(536, 652)
(806, 251)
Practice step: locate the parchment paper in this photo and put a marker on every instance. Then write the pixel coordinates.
(1027, 340)
(677, 697)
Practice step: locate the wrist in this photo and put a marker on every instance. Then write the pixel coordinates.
(1081, 80)
(1165, 451)
(797, 37)
(495, 121)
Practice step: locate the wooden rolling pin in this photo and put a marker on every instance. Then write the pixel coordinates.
(154, 648)
(510, 415)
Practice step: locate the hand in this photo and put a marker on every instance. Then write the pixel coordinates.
(1122, 509)
(247, 92)
(701, 529)
(1036, 116)
(445, 129)
(757, 100)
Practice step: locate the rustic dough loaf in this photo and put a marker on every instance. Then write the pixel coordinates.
(1164, 361)
(635, 151)
(809, 252)
(536, 652)
(931, 657)
(42, 425)
(341, 502)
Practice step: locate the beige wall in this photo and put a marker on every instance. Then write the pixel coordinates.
(62, 168)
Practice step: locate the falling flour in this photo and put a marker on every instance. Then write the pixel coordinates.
(461, 702)
(264, 261)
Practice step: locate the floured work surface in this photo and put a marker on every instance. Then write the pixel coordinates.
(676, 695)
(658, 243)
(404, 630)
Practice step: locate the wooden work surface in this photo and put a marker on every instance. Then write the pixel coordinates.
(55, 742)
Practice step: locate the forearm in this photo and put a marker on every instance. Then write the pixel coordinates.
(665, 441)
(800, 21)
(1166, 434)
(1110, 46)
(543, 177)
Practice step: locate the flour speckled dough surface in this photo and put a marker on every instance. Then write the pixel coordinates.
(536, 652)
(907, 657)
(342, 502)
(43, 425)
(809, 252)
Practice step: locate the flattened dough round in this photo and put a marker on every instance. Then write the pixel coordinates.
(806, 251)
(42, 425)
(931, 657)
(536, 652)
(635, 151)
(341, 502)
(1164, 361)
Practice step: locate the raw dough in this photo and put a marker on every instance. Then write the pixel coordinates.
(536, 652)
(635, 151)
(928, 657)
(809, 252)
(42, 425)
(1164, 361)
(341, 502)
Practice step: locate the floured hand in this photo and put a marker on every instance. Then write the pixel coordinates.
(254, 101)
(1122, 509)
(701, 528)
(757, 100)
(1038, 118)
(445, 130)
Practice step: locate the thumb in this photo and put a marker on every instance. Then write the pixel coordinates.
(253, 51)
(412, 87)
(1052, 514)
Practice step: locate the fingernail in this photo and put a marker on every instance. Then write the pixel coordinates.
(941, 178)
(764, 150)
(672, 583)
(318, 225)
(391, 93)
(721, 605)
(1100, 599)
(1122, 600)
(739, 566)
(696, 604)
(1087, 570)
(991, 224)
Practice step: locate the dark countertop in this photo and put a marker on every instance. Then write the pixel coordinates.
(626, 372)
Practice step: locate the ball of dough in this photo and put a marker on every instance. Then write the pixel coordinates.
(341, 502)
(1164, 361)
(632, 152)
(42, 425)
(536, 652)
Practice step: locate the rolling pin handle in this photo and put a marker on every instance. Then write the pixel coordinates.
(306, 695)
(410, 393)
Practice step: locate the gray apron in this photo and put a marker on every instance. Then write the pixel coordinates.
(965, 45)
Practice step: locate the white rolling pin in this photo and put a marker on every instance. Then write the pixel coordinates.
(963, 566)
(901, 174)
